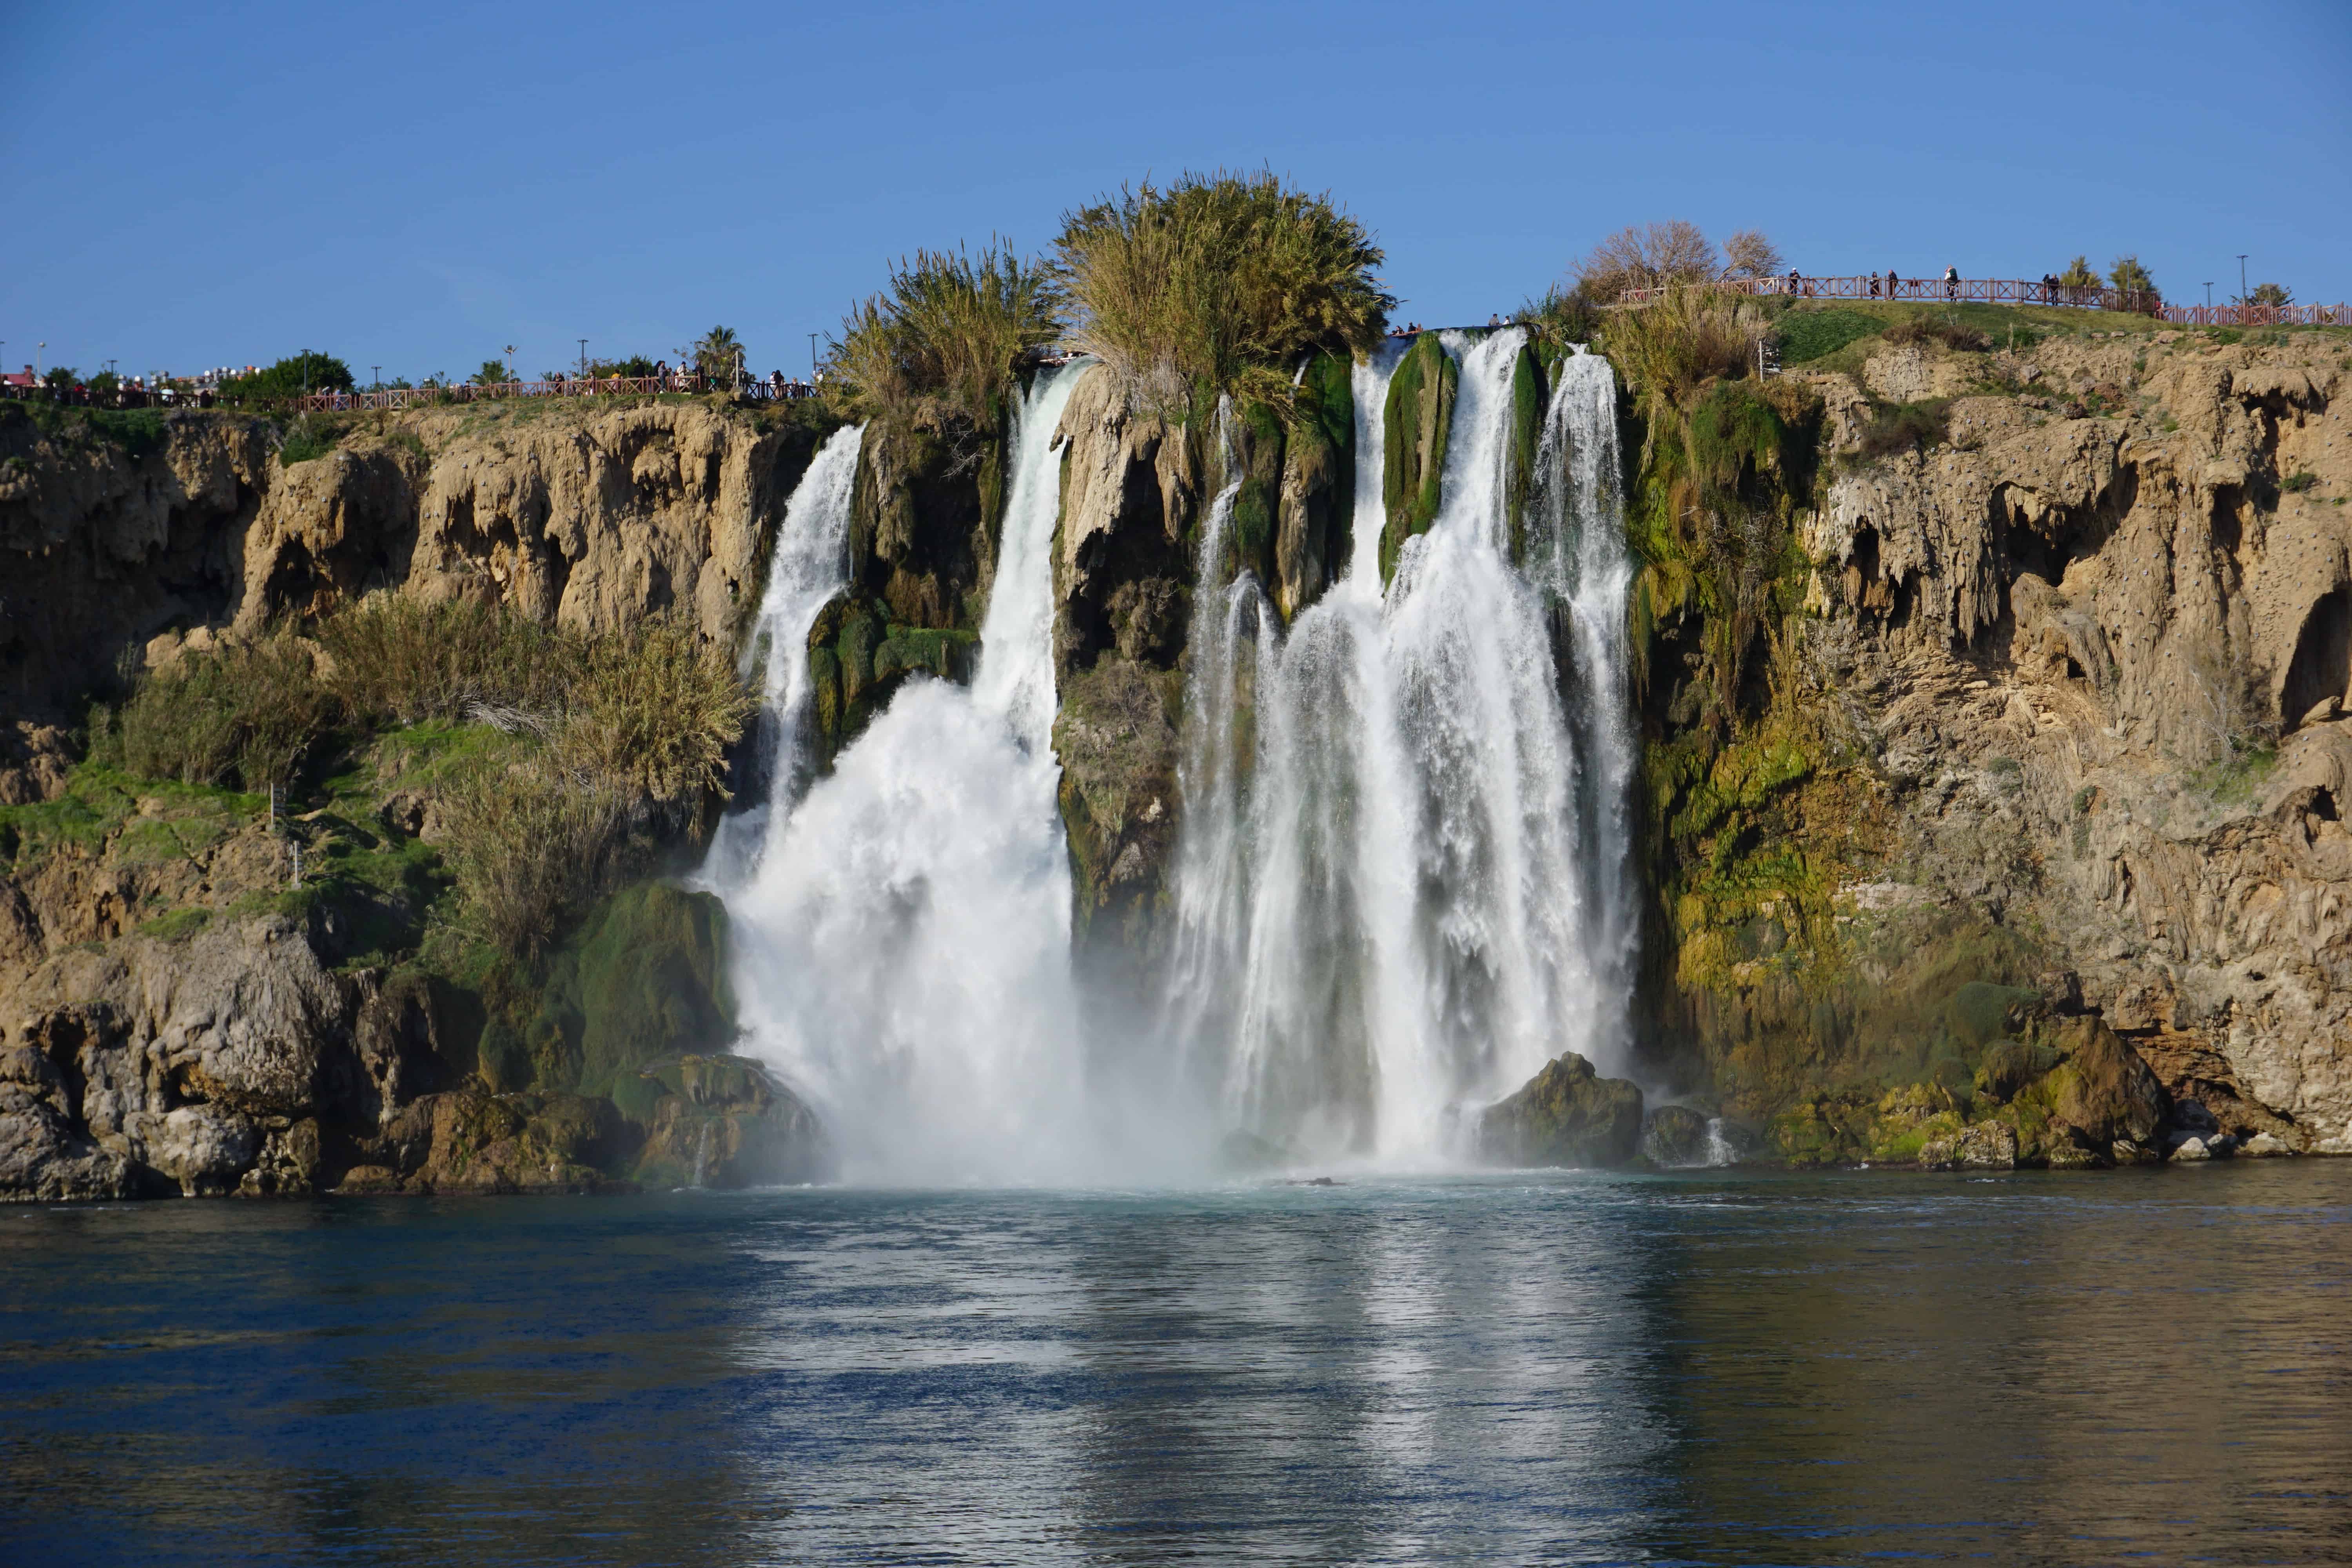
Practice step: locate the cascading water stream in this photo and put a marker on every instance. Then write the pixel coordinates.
(1401, 885)
(902, 948)
(808, 566)
(1577, 555)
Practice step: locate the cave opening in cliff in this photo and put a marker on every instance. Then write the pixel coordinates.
(2321, 666)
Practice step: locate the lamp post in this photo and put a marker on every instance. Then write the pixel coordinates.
(2242, 280)
(41, 358)
(376, 371)
(511, 374)
(583, 358)
(811, 358)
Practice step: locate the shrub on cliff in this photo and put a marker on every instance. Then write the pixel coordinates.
(1668, 350)
(654, 712)
(249, 712)
(1223, 282)
(937, 349)
(531, 845)
(1937, 330)
(396, 659)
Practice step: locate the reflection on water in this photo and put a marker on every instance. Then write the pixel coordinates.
(2037, 1368)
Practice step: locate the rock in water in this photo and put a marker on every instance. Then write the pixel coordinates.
(1565, 1115)
(1675, 1137)
(722, 1121)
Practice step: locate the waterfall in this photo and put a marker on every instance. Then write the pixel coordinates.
(1577, 555)
(902, 947)
(808, 565)
(1400, 887)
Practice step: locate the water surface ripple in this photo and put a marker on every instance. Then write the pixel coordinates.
(2143, 1366)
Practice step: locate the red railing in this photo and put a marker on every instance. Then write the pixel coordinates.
(2020, 291)
(569, 386)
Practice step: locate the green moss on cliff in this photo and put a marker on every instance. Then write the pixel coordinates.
(1529, 398)
(1779, 992)
(1418, 420)
(859, 657)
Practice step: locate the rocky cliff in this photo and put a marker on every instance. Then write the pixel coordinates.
(196, 997)
(1992, 690)
(2052, 729)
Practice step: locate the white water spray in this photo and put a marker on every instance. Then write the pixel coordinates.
(903, 946)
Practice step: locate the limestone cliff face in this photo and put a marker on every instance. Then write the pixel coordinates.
(592, 516)
(104, 541)
(2087, 663)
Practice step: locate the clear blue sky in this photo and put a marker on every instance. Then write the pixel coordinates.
(418, 186)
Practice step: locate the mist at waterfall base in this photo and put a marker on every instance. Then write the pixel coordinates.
(1401, 882)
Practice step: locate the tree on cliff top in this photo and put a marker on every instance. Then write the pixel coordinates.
(2271, 294)
(1646, 255)
(291, 378)
(939, 347)
(719, 355)
(2130, 277)
(2078, 275)
(1220, 282)
(1655, 255)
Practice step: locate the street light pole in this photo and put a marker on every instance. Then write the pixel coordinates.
(811, 358)
(583, 358)
(2242, 280)
(511, 374)
(376, 371)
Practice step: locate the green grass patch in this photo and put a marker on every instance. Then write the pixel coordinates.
(1805, 335)
(176, 925)
(2239, 778)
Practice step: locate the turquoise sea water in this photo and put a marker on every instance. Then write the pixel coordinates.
(2139, 1366)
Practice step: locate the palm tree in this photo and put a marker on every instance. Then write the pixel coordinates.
(718, 354)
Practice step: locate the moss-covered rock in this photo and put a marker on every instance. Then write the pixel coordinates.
(1417, 422)
(1565, 1115)
(1315, 528)
(723, 1121)
(1675, 1136)
(1258, 443)
(859, 657)
(2103, 1092)
(1531, 398)
(923, 523)
(645, 977)
(480, 1142)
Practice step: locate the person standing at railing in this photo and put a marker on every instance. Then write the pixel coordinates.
(1951, 282)
(1890, 281)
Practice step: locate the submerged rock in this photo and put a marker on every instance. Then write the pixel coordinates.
(1565, 1115)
